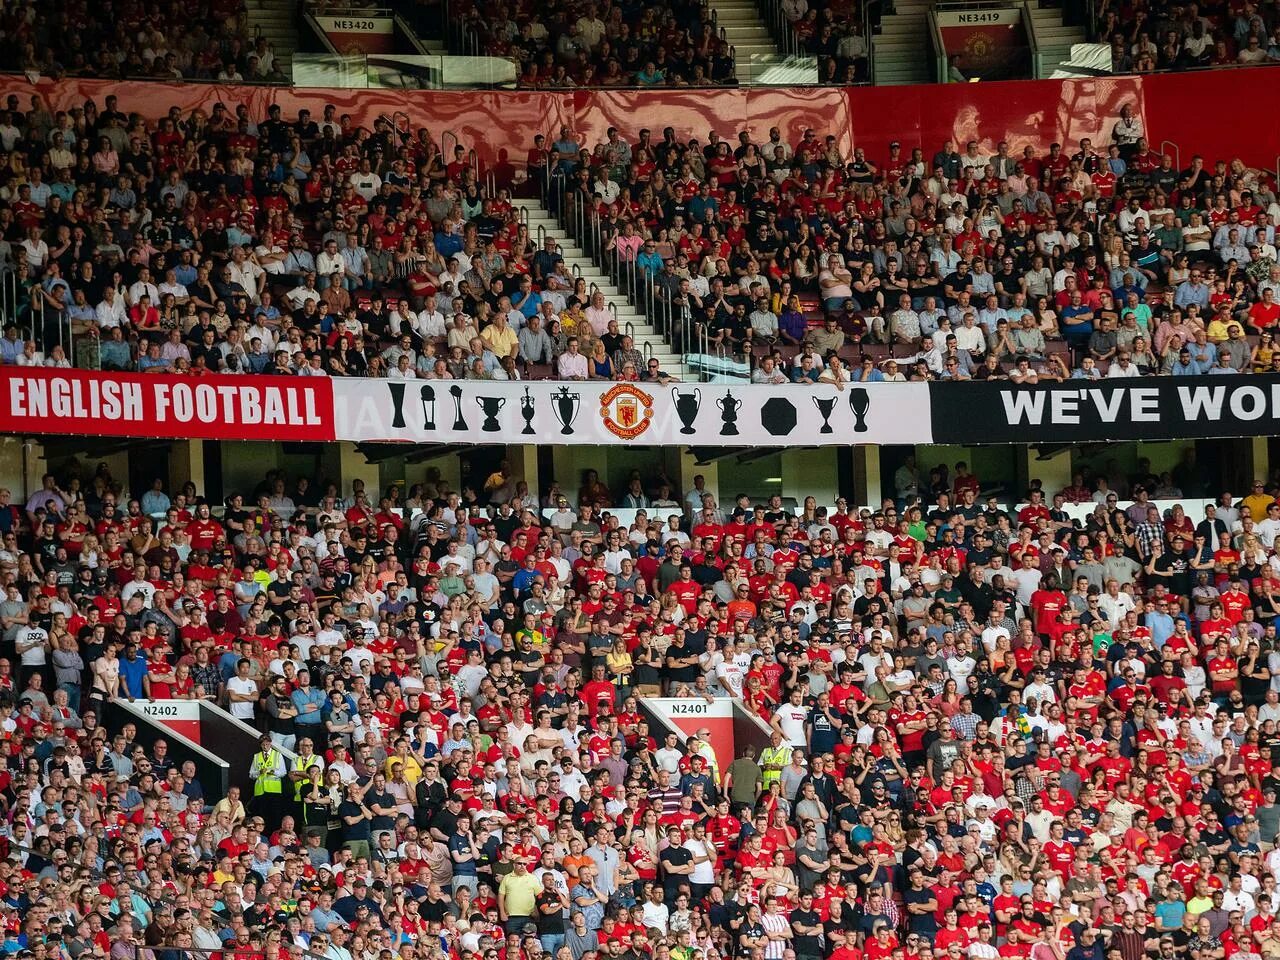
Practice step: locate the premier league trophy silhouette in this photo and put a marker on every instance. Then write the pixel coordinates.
(566, 408)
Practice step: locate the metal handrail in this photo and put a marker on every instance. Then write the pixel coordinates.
(445, 154)
(1033, 41)
(9, 295)
(1177, 153)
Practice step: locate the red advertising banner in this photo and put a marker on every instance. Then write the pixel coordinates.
(500, 125)
(137, 405)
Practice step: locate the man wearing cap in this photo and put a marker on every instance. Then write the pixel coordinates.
(268, 771)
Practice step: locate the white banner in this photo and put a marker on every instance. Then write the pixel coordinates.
(600, 412)
(978, 18)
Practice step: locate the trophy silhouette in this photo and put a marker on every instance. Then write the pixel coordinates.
(729, 406)
(566, 407)
(687, 405)
(491, 406)
(825, 405)
(397, 400)
(859, 403)
(428, 396)
(459, 422)
(526, 411)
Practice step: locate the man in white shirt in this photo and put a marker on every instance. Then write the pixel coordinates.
(143, 285)
(330, 261)
(171, 285)
(668, 756)
(299, 296)
(110, 311)
(1115, 604)
(789, 719)
(246, 272)
(1270, 526)
(1122, 367)
(969, 337)
(365, 181)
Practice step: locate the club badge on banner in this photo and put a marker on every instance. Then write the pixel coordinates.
(466, 411)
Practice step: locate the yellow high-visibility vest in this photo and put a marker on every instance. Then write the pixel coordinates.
(267, 780)
(774, 756)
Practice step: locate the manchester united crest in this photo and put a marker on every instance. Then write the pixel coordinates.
(626, 411)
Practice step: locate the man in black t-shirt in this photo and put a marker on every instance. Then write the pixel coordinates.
(550, 905)
(677, 862)
(382, 804)
(806, 925)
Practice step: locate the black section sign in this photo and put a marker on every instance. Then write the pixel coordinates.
(1079, 411)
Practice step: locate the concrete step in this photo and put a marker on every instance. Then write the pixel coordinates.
(647, 338)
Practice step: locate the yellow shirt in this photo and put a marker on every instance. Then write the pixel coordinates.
(501, 341)
(1257, 504)
(517, 894)
(412, 769)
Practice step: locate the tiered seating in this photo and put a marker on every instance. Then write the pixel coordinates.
(1166, 36)
(670, 44)
(168, 40)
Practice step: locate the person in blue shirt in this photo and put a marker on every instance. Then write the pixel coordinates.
(155, 501)
(564, 152)
(525, 576)
(527, 300)
(649, 260)
(310, 703)
(1077, 322)
(702, 204)
(1185, 365)
(134, 680)
(1192, 290)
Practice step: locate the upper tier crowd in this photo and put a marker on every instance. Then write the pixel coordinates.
(992, 732)
(558, 45)
(1162, 35)
(131, 40)
(303, 244)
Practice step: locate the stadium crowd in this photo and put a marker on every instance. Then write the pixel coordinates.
(232, 243)
(166, 40)
(675, 43)
(1149, 37)
(995, 733)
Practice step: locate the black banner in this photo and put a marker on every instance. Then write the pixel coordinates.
(1081, 411)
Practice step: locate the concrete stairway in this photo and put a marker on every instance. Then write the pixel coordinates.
(1055, 40)
(648, 340)
(748, 35)
(899, 49)
(275, 20)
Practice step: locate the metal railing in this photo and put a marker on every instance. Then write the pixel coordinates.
(584, 226)
(1033, 41)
